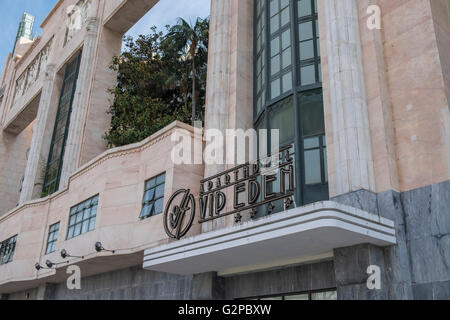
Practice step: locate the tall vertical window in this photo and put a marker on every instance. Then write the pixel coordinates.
(52, 238)
(7, 249)
(61, 129)
(153, 202)
(291, 99)
(82, 218)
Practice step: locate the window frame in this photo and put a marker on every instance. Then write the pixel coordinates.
(51, 184)
(262, 118)
(154, 200)
(51, 232)
(73, 213)
(6, 250)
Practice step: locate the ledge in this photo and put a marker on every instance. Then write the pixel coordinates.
(306, 231)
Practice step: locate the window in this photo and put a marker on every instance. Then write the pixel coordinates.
(312, 295)
(291, 99)
(82, 218)
(7, 249)
(61, 129)
(308, 43)
(52, 238)
(153, 202)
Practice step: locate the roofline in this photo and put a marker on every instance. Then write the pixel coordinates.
(57, 5)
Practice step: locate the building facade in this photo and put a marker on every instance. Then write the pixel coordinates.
(363, 112)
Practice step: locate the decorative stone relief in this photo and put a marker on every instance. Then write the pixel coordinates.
(33, 72)
(77, 17)
(20, 82)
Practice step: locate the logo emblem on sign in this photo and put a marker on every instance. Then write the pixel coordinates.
(251, 184)
(179, 214)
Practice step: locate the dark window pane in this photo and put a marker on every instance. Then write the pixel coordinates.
(82, 218)
(297, 297)
(151, 184)
(307, 51)
(308, 75)
(275, 46)
(85, 227)
(274, 24)
(149, 195)
(159, 206)
(52, 238)
(329, 295)
(153, 200)
(285, 16)
(304, 8)
(70, 233)
(275, 87)
(159, 191)
(91, 224)
(312, 113)
(274, 7)
(305, 31)
(275, 65)
(311, 143)
(161, 179)
(313, 173)
(94, 211)
(286, 39)
(282, 118)
(287, 82)
(287, 58)
(7, 249)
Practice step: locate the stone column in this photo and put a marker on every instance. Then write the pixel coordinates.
(219, 72)
(351, 265)
(46, 292)
(207, 286)
(34, 155)
(229, 98)
(352, 143)
(80, 103)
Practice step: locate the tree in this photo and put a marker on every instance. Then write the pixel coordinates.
(191, 42)
(155, 85)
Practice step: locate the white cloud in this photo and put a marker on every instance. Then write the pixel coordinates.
(168, 11)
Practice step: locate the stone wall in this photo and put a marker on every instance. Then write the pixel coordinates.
(128, 284)
(138, 284)
(418, 267)
(297, 279)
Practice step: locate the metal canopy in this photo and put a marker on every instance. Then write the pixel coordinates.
(302, 232)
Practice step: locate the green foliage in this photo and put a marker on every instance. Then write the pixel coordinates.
(160, 80)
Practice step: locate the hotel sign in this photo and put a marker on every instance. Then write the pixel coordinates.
(251, 185)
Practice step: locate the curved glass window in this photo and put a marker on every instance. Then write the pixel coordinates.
(288, 88)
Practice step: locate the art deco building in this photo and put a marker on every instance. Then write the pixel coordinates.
(364, 112)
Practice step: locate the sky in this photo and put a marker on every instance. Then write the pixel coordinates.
(165, 12)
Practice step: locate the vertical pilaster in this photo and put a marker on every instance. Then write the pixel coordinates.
(80, 103)
(219, 72)
(207, 286)
(351, 132)
(34, 157)
(229, 98)
(351, 266)
(46, 292)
